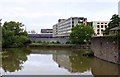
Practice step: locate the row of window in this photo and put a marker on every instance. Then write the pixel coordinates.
(98, 31)
(101, 23)
(102, 26)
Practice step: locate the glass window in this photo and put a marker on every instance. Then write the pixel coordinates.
(105, 26)
(97, 26)
(101, 26)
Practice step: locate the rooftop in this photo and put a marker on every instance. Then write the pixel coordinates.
(116, 28)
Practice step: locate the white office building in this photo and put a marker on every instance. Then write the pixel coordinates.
(64, 26)
(99, 27)
(119, 8)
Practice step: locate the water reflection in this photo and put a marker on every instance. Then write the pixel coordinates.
(13, 59)
(73, 63)
(54, 62)
(100, 67)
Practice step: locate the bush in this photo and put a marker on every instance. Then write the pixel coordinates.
(39, 42)
(57, 42)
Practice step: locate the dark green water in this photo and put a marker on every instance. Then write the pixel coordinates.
(44, 61)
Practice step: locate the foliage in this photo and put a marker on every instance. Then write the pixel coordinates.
(115, 21)
(12, 59)
(13, 35)
(81, 34)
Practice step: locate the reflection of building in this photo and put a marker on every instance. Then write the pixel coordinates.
(119, 8)
(63, 61)
(46, 30)
(74, 64)
(64, 26)
(99, 27)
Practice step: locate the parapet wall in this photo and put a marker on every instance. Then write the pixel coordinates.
(106, 48)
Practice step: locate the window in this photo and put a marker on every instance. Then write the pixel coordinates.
(72, 22)
(105, 26)
(101, 26)
(98, 33)
(97, 26)
(101, 23)
(101, 30)
(98, 30)
(80, 21)
(98, 23)
(72, 25)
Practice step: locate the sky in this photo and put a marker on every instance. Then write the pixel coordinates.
(43, 14)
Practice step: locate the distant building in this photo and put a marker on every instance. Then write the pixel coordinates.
(46, 38)
(64, 26)
(119, 8)
(99, 27)
(40, 35)
(46, 30)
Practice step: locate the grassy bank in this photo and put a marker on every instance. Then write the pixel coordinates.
(60, 45)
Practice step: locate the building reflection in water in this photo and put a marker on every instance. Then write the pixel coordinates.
(73, 63)
(79, 64)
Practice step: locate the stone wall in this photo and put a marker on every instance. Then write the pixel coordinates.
(106, 48)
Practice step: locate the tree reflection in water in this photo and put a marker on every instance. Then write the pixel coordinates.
(80, 64)
(13, 59)
(74, 62)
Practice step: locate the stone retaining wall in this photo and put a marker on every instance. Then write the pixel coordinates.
(106, 48)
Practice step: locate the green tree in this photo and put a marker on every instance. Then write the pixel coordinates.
(115, 21)
(81, 34)
(13, 35)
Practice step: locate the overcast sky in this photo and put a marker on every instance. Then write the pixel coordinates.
(37, 14)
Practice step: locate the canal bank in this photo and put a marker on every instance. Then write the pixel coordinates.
(60, 46)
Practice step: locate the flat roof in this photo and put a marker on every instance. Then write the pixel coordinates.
(116, 28)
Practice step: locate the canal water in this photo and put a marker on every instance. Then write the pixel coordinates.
(52, 61)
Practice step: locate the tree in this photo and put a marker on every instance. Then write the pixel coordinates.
(115, 21)
(13, 35)
(81, 34)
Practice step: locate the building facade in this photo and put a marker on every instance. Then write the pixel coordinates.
(46, 30)
(119, 8)
(64, 26)
(99, 27)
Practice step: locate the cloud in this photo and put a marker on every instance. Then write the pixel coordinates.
(45, 13)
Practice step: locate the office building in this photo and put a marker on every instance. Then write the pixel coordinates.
(119, 8)
(64, 26)
(99, 27)
(46, 30)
